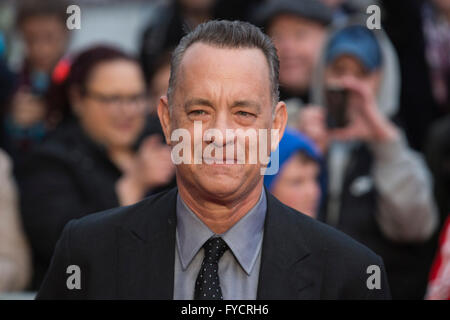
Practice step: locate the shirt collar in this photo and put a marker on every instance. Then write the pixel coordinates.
(244, 238)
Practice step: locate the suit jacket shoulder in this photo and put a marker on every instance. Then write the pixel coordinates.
(115, 252)
(318, 261)
(128, 253)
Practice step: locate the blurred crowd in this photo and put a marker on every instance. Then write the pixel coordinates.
(367, 149)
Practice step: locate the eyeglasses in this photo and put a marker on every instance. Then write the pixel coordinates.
(118, 102)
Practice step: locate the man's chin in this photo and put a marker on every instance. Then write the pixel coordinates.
(222, 167)
(221, 187)
(221, 181)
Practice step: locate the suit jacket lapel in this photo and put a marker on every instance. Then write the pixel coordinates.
(146, 251)
(288, 269)
(146, 254)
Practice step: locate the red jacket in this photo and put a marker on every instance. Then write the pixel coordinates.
(439, 281)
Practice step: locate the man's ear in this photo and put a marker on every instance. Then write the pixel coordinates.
(164, 118)
(279, 122)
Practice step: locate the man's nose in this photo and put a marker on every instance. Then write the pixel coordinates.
(222, 123)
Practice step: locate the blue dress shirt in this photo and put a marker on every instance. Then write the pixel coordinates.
(238, 267)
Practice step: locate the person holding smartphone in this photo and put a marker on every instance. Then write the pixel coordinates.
(378, 189)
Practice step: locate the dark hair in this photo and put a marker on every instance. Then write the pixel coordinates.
(228, 34)
(37, 8)
(160, 61)
(81, 69)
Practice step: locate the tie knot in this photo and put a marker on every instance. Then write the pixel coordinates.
(214, 249)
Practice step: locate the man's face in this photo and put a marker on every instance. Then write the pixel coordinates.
(347, 66)
(222, 89)
(298, 42)
(46, 38)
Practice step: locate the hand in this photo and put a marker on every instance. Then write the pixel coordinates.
(154, 166)
(367, 123)
(151, 167)
(312, 122)
(27, 109)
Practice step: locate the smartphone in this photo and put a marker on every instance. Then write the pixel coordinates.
(336, 101)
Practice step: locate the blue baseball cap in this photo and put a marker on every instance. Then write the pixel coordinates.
(357, 41)
(292, 142)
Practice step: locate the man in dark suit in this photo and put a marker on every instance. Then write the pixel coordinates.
(219, 234)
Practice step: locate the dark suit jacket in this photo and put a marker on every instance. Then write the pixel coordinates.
(129, 253)
(67, 177)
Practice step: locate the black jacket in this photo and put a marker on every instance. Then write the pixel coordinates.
(67, 177)
(438, 159)
(128, 253)
(418, 108)
(407, 265)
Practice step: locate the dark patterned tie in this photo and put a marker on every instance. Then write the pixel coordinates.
(207, 286)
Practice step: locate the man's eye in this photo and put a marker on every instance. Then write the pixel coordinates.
(197, 112)
(244, 114)
(110, 99)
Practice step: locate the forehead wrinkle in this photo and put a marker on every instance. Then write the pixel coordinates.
(216, 91)
(247, 103)
(198, 101)
(216, 82)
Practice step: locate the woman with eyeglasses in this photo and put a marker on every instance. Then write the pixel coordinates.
(99, 156)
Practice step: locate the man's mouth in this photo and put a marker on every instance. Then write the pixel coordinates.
(224, 160)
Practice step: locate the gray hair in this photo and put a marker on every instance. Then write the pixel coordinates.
(228, 34)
